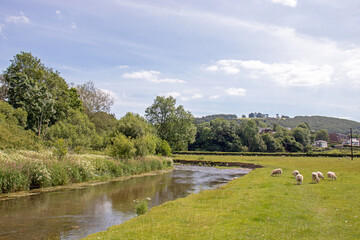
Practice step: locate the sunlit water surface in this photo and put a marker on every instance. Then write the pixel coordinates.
(76, 213)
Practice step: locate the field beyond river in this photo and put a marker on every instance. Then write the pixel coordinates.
(258, 205)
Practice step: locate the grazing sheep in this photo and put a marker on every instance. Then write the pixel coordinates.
(296, 172)
(277, 171)
(299, 178)
(315, 177)
(331, 175)
(320, 175)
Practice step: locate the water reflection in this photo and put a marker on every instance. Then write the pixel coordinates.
(73, 214)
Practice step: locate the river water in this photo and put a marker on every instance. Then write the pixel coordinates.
(76, 213)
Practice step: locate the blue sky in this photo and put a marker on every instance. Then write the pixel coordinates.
(291, 57)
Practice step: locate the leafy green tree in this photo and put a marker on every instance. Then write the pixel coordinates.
(173, 124)
(3, 88)
(291, 145)
(31, 96)
(104, 122)
(40, 91)
(122, 147)
(12, 133)
(322, 135)
(252, 138)
(302, 134)
(76, 129)
(134, 126)
(94, 100)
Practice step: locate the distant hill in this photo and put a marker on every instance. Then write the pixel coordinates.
(212, 117)
(332, 125)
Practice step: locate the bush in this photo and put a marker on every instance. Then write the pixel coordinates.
(11, 180)
(122, 147)
(39, 175)
(60, 149)
(163, 148)
(141, 205)
(59, 174)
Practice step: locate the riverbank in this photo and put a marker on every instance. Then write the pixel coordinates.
(37, 171)
(72, 186)
(258, 206)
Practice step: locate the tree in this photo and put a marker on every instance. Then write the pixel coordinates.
(322, 135)
(133, 126)
(41, 91)
(251, 137)
(173, 124)
(302, 134)
(76, 129)
(94, 100)
(31, 96)
(3, 88)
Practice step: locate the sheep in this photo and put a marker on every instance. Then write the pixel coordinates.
(277, 171)
(299, 178)
(331, 175)
(315, 177)
(320, 175)
(296, 172)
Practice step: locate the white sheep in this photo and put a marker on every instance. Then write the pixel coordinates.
(277, 171)
(331, 175)
(299, 178)
(296, 172)
(320, 175)
(315, 177)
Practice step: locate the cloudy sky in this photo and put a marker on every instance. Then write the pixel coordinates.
(291, 57)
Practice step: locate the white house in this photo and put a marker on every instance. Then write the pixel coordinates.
(355, 142)
(321, 143)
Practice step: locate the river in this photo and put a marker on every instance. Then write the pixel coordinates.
(76, 213)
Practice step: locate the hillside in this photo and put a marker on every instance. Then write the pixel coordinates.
(332, 125)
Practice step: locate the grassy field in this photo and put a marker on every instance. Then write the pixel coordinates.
(259, 206)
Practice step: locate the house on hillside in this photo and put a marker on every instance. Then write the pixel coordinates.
(321, 144)
(355, 142)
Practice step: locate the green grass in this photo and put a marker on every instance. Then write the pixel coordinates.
(258, 206)
(24, 170)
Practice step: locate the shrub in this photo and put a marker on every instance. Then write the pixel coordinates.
(60, 149)
(59, 174)
(122, 147)
(141, 205)
(12, 180)
(39, 175)
(163, 148)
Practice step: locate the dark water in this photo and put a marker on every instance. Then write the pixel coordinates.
(73, 214)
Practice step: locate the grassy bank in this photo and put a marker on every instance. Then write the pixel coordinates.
(258, 206)
(24, 170)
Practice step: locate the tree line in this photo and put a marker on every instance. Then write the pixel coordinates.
(38, 108)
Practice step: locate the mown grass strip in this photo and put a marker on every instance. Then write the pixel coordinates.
(258, 206)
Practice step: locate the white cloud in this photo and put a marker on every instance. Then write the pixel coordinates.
(185, 96)
(286, 74)
(1, 31)
(173, 94)
(289, 3)
(58, 13)
(151, 76)
(236, 91)
(347, 118)
(121, 66)
(214, 97)
(111, 93)
(74, 26)
(17, 19)
(191, 97)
